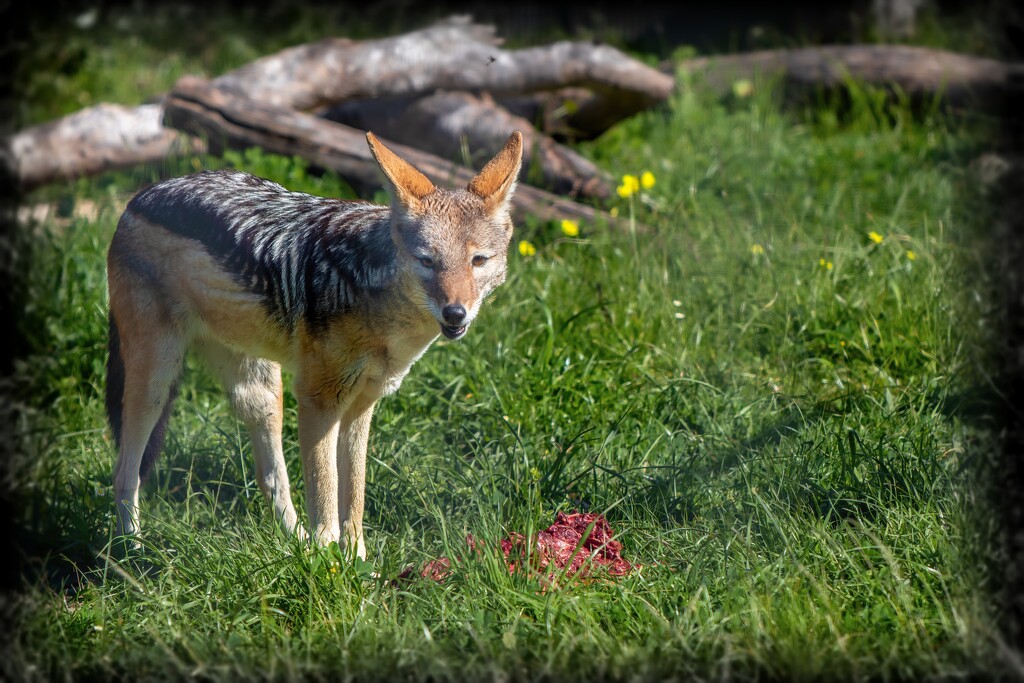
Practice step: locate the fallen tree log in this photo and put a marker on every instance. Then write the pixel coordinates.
(225, 120)
(453, 54)
(456, 124)
(101, 138)
(961, 81)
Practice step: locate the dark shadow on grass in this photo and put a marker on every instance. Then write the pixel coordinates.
(865, 471)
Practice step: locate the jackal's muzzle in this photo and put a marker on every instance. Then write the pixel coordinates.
(455, 323)
(453, 332)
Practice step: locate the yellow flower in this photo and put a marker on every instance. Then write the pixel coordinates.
(570, 228)
(875, 237)
(911, 255)
(630, 185)
(742, 88)
(756, 249)
(526, 248)
(614, 211)
(647, 180)
(827, 265)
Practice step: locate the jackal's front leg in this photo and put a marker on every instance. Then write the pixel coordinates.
(352, 440)
(318, 442)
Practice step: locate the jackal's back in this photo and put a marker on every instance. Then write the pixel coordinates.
(307, 257)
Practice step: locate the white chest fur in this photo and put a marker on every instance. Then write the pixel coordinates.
(391, 367)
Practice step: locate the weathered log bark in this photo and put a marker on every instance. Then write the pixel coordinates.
(453, 54)
(454, 124)
(554, 112)
(101, 138)
(960, 80)
(225, 120)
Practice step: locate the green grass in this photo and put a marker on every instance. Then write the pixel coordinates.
(800, 456)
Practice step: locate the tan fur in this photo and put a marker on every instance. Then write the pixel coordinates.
(493, 181)
(407, 181)
(167, 294)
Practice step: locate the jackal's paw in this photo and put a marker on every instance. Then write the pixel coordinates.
(352, 543)
(126, 544)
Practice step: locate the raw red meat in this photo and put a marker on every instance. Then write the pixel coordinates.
(565, 545)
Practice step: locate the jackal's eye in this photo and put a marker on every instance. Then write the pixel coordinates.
(426, 261)
(479, 260)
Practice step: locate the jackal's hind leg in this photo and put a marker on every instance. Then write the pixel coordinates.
(152, 358)
(254, 388)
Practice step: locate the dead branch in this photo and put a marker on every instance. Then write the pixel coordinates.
(101, 138)
(456, 124)
(959, 80)
(225, 120)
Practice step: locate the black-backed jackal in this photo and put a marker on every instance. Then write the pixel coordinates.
(345, 294)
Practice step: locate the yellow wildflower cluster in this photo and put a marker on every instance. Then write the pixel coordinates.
(570, 228)
(827, 265)
(875, 237)
(631, 184)
(526, 248)
(756, 249)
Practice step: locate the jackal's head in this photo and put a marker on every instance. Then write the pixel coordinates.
(454, 243)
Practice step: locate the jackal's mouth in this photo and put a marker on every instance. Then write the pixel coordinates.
(453, 332)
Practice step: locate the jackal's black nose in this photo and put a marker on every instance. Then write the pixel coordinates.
(454, 314)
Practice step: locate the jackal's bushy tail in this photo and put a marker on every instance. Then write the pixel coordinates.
(115, 404)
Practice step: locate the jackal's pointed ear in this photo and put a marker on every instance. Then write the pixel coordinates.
(496, 181)
(409, 184)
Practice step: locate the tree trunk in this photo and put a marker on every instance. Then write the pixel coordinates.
(225, 120)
